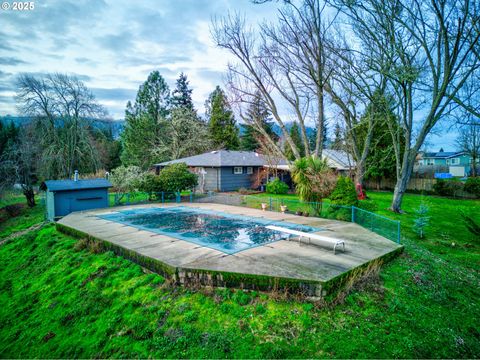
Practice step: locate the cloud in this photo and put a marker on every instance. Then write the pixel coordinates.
(83, 60)
(114, 94)
(11, 61)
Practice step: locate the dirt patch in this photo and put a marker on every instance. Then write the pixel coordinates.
(21, 233)
(11, 211)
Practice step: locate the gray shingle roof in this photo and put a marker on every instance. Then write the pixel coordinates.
(222, 158)
(342, 159)
(65, 185)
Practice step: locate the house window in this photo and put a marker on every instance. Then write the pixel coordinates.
(430, 161)
(455, 161)
(249, 170)
(237, 170)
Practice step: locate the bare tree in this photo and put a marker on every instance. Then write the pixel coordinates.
(427, 50)
(469, 141)
(187, 135)
(287, 63)
(352, 88)
(19, 165)
(63, 108)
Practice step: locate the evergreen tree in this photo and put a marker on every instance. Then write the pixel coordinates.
(182, 95)
(152, 98)
(337, 143)
(221, 122)
(297, 140)
(8, 136)
(256, 115)
(312, 138)
(145, 123)
(381, 158)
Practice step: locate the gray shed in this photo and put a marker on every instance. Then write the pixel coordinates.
(66, 196)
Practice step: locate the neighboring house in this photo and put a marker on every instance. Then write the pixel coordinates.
(338, 160)
(227, 170)
(222, 170)
(458, 162)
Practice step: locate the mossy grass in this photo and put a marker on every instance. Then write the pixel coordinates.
(62, 301)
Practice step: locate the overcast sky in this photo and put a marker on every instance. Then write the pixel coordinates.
(112, 45)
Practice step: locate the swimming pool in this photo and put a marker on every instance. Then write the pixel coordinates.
(221, 231)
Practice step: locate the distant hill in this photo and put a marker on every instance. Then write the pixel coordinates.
(278, 131)
(116, 126)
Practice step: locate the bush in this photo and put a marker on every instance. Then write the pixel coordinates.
(151, 184)
(447, 187)
(176, 177)
(172, 178)
(368, 205)
(472, 186)
(126, 178)
(277, 187)
(344, 192)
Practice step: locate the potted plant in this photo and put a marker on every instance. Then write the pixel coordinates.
(264, 206)
(299, 213)
(283, 208)
(306, 214)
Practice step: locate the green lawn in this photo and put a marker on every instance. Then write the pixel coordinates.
(60, 300)
(28, 218)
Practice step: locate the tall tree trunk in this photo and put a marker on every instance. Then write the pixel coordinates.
(402, 181)
(359, 172)
(29, 195)
(320, 125)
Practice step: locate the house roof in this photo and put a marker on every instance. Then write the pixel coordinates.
(220, 158)
(68, 185)
(341, 160)
(442, 154)
(337, 159)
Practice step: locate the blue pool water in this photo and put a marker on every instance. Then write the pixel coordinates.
(221, 231)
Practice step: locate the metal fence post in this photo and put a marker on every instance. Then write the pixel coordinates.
(353, 214)
(178, 197)
(163, 197)
(128, 199)
(270, 201)
(398, 232)
(191, 196)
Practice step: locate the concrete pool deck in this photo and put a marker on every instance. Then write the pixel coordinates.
(309, 266)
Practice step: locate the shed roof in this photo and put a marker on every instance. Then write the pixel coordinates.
(220, 158)
(69, 185)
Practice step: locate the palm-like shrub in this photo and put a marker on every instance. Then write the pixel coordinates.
(313, 179)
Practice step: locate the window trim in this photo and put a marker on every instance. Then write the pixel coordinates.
(249, 170)
(235, 168)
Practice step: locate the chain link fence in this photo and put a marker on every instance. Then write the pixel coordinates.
(378, 224)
